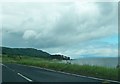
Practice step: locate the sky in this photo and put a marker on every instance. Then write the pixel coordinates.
(75, 29)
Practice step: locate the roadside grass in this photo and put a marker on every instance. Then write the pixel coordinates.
(86, 70)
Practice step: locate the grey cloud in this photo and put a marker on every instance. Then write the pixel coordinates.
(56, 27)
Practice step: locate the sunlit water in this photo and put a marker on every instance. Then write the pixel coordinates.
(106, 62)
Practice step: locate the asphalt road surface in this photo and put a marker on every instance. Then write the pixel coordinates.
(21, 73)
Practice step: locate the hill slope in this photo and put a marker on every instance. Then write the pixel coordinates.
(31, 52)
(24, 52)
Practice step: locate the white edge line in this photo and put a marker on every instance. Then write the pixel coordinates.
(24, 77)
(71, 74)
(8, 67)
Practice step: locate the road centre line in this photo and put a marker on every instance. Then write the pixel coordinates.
(25, 77)
(28, 79)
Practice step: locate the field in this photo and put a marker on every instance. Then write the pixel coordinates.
(86, 70)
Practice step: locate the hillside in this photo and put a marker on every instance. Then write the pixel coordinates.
(31, 52)
(24, 52)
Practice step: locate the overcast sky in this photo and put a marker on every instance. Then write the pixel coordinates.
(70, 28)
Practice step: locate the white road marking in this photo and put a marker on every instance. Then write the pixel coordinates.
(24, 77)
(28, 79)
(8, 68)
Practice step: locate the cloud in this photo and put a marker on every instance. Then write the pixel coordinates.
(60, 27)
(29, 34)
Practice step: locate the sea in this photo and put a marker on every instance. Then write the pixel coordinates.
(111, 62)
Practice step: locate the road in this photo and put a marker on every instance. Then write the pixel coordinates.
(21, 73)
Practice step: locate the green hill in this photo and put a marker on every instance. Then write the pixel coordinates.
(31, 52)
(24, 52)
